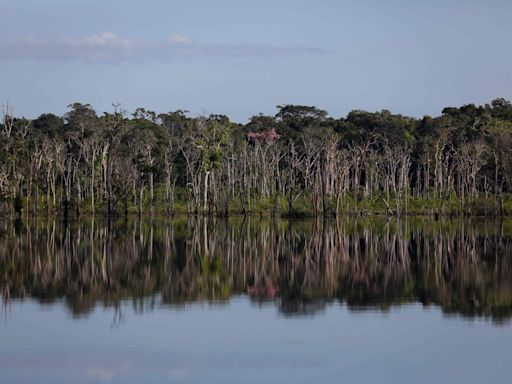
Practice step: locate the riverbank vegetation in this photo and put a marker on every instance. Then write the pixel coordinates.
(300, 162)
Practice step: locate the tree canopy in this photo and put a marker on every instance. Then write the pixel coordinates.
(299, 160)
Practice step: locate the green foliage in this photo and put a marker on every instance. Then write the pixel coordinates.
(213, 136)
(152, 160)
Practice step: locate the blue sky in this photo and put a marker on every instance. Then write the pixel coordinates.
(244, 57)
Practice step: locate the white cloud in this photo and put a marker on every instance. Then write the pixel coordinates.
(111, 47)
(178, 38)
(100, 40)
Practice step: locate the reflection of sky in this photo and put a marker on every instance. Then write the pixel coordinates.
(243, 343)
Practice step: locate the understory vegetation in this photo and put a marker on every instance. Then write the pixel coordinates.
(300, 162)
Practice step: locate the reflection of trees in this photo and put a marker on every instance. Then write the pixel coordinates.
(464, 268)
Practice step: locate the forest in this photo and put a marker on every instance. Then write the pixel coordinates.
(300, 162)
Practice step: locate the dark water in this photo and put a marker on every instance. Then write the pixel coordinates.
(256, 301)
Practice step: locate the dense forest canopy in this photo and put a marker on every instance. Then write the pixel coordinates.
(299, 161)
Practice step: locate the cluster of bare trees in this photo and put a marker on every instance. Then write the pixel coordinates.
(465, 268)
(298, 162)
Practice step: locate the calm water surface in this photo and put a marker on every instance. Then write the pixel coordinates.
(256, 301)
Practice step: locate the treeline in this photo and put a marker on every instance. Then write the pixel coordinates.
(298, 162)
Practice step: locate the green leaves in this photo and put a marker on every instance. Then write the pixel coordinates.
(212, 138)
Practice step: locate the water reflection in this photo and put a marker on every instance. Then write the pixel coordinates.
(301, 266)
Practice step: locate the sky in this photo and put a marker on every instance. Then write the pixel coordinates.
(244, 57)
